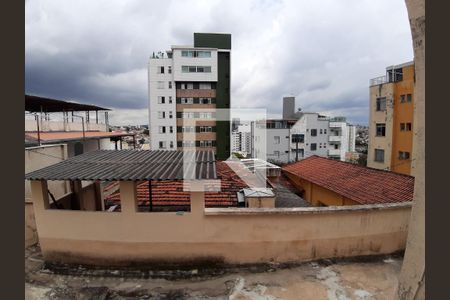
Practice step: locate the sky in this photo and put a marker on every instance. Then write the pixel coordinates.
(322, 52)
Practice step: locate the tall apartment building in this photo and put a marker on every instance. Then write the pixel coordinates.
(195, 78)
(391, 119)
(241, 139)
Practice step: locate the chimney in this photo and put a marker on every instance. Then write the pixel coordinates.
(288, 108)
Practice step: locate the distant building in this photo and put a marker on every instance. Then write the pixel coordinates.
(241, 139)
(391, 119)
(307, 134)
(191, 77)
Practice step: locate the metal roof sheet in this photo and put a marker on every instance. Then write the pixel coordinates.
(112, 165)
(44, 104)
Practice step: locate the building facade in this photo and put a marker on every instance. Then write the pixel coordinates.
(391, 119)
(186, 86)
(284, 141)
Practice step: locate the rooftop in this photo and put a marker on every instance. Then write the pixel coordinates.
(171, 193)
(44, 104)
(66, 136)
(370, 278)
(361, 184)
(113, 165)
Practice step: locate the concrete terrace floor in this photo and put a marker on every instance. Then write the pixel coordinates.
(374, 278)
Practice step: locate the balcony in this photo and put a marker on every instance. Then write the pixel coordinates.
(335, 138)
(379, 80)
(334, 152)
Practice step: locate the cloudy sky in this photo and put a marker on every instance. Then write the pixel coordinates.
(323, 52)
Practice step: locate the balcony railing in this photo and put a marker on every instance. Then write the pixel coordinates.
(334, 152)
(379, 80)
(335, 138)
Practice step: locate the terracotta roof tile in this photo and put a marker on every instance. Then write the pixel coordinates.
(361, 184)
(170, 193)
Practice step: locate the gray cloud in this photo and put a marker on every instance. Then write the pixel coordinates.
(322, 52)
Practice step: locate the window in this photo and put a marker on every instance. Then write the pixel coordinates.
(408, 98)
(161, 99)
(205, 86)
(313, 132)
(205, 128)
(187, 100)
(380, 129)
(171, 130)
(171, 144)
(170, 84)
(203, 53)
(276, 153)
(169, 69)
(381, 104)
(325, 131)
(187, 129)
(276, 139)
(321, 131)
(160, 84)
(402, 126)
(162, 145)
(170, 115)
(188, 143)
(161, 70)
(161, 114)
(195, 69)
(403, 155)
(379, 155)
(298, 138)
(162, 129)
(192, 53)
(170, 99)
(186, 53)
(402, 98)
(313, 146)
(187, 86)
(408, 126)
(205, 143)
(205, 100)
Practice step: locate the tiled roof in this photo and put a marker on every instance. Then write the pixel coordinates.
(170, 193)
(361, 184)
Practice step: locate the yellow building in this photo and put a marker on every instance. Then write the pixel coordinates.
(391, 119)
(327, 182)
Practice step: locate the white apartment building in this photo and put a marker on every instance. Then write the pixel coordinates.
(286, 141)
(188, 77)
(241, 139)
(311, 131)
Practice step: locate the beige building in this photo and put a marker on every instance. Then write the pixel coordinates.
(391, 119)
(54, 131)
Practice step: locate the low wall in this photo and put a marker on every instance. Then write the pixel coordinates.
(230, 235)
(36, 158)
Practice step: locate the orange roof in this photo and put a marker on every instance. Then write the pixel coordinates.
(170, 193)
(361, 184)
(73, 135)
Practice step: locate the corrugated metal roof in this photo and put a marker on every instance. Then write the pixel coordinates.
(111, 165)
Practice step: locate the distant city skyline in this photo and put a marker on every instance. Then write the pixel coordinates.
(323, 52)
